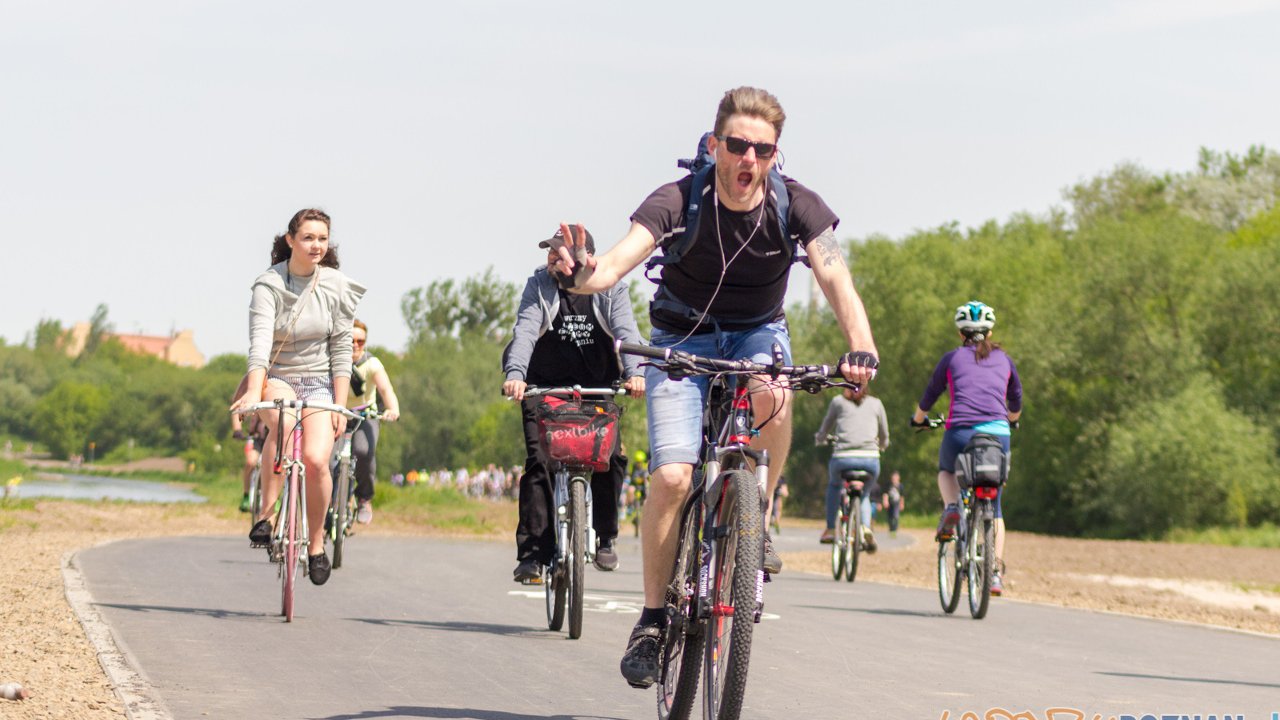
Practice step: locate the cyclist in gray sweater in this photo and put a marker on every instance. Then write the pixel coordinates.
(856, 425)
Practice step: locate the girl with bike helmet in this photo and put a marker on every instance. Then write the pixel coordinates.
(986, 396)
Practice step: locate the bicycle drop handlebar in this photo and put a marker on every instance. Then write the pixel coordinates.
(679, 364)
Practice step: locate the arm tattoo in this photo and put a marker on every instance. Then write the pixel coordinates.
(829, 247)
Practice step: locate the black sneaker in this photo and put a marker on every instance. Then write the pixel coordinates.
(606, 558)
(260, 535)
(640, 661)
(772, 563)
(528, 572)
(318, 568)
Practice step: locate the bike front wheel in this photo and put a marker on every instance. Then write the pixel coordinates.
(553, 586)
(838, 548)
(736, 578)
(682, 651)
(291, 545)
(981, 553)
(255, 494)
(341, 510)
(578, 522)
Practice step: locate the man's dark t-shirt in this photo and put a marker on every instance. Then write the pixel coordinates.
(755, 282)
(575, 350)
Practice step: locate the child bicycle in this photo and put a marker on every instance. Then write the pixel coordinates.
(716, 594)
(339, 520)
(288, 545)
(576, 438)
(969, 555)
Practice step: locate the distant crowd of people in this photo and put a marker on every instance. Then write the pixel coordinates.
(492, 482)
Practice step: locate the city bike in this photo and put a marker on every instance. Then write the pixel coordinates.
(716, 593)
(968, 556)
(576, 438)
(289, 537)
(340, 518)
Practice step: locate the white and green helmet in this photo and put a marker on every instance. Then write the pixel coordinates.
(975, 319)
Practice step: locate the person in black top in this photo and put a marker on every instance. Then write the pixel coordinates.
(723, 299)
(562, 339)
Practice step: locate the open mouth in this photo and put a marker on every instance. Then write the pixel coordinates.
(744, 180)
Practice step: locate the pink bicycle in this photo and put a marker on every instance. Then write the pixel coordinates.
(289, 538)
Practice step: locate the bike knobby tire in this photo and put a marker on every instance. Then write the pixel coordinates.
(738, 574)
(341, 510)
(578, 522)
(981, 557)
(682, 651)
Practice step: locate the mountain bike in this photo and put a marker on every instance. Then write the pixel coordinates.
(716, 594)
(342, 506)
(577, 438)
(848, 540)
(969, 555)
(289, 537)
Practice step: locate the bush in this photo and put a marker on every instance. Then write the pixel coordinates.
(1186, 461)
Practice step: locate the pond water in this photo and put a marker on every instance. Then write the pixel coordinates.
(90, 487)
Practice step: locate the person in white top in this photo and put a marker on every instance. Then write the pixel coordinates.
(300, 321)
(370, 387)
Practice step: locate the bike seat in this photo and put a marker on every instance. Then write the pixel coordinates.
(852, 475)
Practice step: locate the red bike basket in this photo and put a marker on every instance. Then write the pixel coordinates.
(576, 433)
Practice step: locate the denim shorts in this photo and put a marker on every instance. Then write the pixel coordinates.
(675, 406)
(953, 442)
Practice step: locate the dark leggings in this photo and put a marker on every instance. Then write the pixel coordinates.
(364, 445)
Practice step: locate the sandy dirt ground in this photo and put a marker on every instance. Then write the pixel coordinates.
(44, 648)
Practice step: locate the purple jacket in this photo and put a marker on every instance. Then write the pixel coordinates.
(980, 391)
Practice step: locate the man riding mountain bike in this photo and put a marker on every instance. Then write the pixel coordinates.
(721, 292)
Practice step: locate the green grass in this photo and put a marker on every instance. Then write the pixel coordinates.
(1266, 535)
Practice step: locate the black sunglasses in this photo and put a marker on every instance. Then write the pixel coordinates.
(738, 146)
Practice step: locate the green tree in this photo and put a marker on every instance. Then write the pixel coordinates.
(66, 414)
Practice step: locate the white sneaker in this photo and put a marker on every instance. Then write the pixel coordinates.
(364, 512)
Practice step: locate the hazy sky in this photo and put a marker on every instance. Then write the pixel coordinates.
(151, 149)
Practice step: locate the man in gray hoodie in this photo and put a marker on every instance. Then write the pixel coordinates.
(560, 339)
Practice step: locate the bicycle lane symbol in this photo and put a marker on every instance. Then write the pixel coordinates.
(606, 603)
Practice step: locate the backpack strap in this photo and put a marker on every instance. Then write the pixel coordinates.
(702, 167)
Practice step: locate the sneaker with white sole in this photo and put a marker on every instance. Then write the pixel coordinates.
(364, 511)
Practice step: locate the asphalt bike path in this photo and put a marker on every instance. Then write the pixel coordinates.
(432, 628)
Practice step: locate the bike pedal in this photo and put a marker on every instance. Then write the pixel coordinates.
(535, 581)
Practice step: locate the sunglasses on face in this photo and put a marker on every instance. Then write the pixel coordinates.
(738, 146)
(357, 341)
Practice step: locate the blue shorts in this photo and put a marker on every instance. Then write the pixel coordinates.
(953, 442)
(675, 406)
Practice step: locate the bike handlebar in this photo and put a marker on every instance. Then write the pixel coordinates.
(281, 403)
(532, 391)
(678, 363)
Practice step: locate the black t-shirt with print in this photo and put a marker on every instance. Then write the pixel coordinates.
(575, 350)
(755, 282)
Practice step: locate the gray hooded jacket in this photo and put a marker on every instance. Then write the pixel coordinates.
(539, 306)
